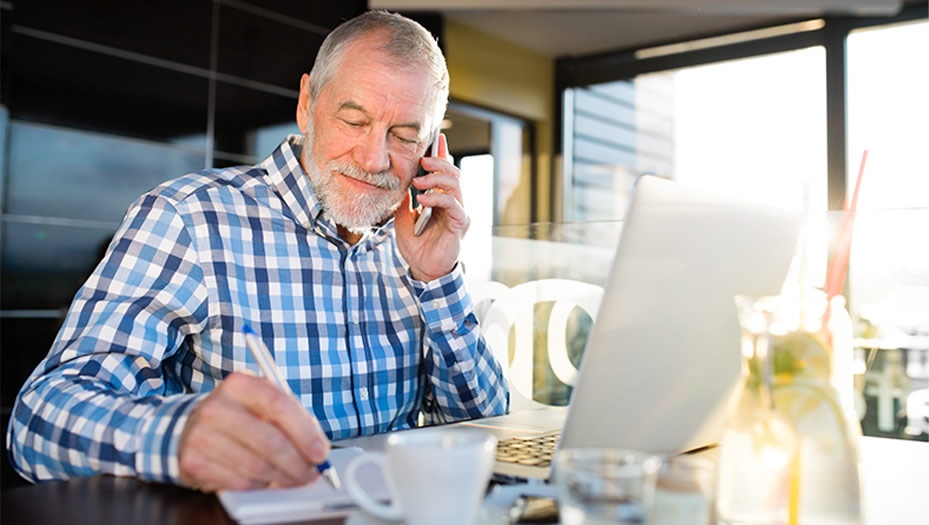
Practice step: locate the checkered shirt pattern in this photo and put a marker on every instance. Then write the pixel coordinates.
(159, 323)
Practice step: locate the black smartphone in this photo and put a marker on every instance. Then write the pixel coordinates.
(426, 213)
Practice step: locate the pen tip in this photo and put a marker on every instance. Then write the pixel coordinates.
(332, 477)
(248, 329)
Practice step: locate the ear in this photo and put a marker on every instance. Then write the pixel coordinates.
(303, 103)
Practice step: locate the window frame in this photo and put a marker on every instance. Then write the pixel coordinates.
(572, 72)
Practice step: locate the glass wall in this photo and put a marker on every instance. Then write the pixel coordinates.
(540, 300)
(494, 152)
(753, 127)
(754, 121)
(617, 130)
(888, 115)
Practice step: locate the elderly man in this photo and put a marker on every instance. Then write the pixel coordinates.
(314, 249)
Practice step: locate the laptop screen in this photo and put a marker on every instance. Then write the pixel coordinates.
(664, 353)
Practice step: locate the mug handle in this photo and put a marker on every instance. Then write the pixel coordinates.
(391, 512)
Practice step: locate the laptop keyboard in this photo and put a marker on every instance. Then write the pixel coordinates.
(535, 450)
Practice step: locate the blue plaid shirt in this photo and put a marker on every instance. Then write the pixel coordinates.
(159, 324)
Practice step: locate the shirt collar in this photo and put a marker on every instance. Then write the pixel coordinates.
(287, 177)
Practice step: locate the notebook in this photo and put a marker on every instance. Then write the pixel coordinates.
(663, 357)
(309, 502)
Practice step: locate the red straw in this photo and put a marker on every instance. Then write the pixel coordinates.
(838, 265)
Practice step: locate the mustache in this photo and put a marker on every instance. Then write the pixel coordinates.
(383, 179)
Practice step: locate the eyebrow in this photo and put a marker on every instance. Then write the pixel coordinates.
(352, 105)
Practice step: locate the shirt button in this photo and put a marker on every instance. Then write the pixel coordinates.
(364, 394)
(355, 319)
(434, 305)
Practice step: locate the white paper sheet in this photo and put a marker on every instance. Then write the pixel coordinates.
(314, 501)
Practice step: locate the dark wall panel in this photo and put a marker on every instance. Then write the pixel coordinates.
(242, 113)
(176, 30)
(326, 15)
(106, 99)
(58, 84)
(265, 50)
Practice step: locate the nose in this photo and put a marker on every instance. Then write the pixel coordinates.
(371, 153)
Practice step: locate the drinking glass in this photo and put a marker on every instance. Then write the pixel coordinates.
(601, 486)
(684, 491)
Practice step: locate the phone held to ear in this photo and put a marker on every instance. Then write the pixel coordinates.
(425, 213)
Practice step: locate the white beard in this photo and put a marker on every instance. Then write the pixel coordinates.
(355, 211)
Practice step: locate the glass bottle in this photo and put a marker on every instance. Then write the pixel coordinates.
(787, 345)
(758, 443)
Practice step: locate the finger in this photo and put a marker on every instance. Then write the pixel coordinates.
(440, 182)
(286, 412)
(440, 165)
(282, 410)
(223, 431)
(258, 450)
(453, 209)
(445, 201)
(443, 147)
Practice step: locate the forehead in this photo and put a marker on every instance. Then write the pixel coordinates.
(368, 77)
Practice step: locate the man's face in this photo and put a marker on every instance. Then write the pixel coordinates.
(365, 135)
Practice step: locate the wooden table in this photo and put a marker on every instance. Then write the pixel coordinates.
(895, 472)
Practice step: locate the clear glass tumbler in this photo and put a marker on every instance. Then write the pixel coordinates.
(605, 486)
(684, 491)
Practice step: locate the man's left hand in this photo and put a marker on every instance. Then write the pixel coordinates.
(435, 252)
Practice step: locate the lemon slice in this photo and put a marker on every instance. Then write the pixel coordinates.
(814, 412)
(797, 353)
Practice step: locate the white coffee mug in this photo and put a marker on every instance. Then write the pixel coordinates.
(434, 476)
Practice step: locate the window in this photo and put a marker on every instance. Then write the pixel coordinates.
(754, 128)
(492, 151)
(785, 120)
(888, 114)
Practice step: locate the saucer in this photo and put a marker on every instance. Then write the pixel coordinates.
(360, 517)
(494, 511)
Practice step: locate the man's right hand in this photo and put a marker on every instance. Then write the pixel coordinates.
(249, 434)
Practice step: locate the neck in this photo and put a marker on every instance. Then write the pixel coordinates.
(348, 235)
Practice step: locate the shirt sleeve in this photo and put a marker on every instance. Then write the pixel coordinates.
(466, 380)
(99, 402)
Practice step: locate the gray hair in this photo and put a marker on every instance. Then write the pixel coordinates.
(406, 43)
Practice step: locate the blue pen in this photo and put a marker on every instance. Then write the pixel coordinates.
(263, 356)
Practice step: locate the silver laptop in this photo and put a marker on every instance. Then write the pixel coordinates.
(664, 353)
